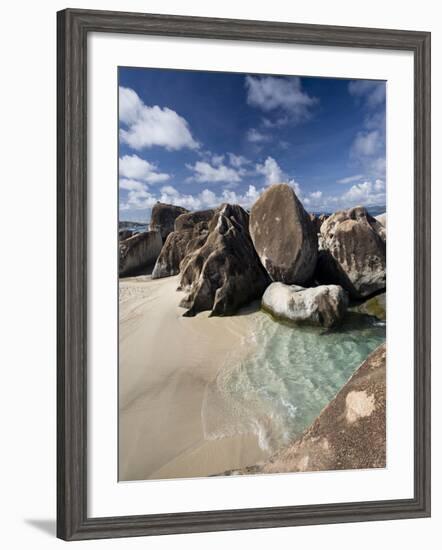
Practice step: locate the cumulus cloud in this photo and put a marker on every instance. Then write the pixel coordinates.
(132, 185)
(273, 173)
(366, 143)
(271, 93)
(147, 126)
(134, 167)
(366, 193)
(350, 179)
(204, 172)
(255, 136)
(368, 151)
(369, 91)
(368, 148)
(205, 199)
(138, 198)
(237, 161)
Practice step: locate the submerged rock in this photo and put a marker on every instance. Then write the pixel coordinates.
(323, 305)
(178, 244)
(224, 273)
(349, 433)
(139, 251)
(375, 306)
(353, 252)
(284, 236)
(163, 218)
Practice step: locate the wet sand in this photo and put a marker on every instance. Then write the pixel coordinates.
(166, 363)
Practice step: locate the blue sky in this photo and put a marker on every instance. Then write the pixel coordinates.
(198, 139)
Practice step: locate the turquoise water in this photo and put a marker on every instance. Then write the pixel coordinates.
(277, 389)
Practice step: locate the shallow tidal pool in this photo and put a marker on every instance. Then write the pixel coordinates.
(288, 375)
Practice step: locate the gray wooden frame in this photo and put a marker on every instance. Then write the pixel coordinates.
(73, 27)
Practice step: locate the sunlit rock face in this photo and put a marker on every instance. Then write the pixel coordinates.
(138, 252)
(163, 218)
(225, 272)
(322, 306)
(353, 252)
(284, 235)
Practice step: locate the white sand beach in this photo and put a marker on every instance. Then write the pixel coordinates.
(166, 362)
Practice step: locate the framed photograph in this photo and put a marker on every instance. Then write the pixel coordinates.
(233, 351)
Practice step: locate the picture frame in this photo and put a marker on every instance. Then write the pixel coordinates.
(73, 27)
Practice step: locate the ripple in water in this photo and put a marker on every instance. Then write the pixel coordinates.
(287, 379)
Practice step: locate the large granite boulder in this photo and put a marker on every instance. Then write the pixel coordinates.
(189, 220)
(124, 234)
(178, 244)
(284, 236)
(349, 433)
(322, 305)
(382, 218)
(163, 218)
(353, 252)
(138, 252)
(224, 273)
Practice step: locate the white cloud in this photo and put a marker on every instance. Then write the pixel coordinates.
(365, 193)
(366, 144)
(130, 105)
(254, 136)
(204, 199)
(350, 179)
(148, 126)
(371, 92)
(217, 160)
(237, 161)
(138, 199)
(269, 93)
(205, 172)
(168, 189)
(131, 185)
(273, 173)
(281, 121)
(132, 166)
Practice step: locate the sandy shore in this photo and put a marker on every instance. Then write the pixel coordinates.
(166, 364)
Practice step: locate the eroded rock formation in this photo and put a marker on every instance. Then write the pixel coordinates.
(139, 251)
(163, 218)
(353, 252)
(178, 244)
(225, 272)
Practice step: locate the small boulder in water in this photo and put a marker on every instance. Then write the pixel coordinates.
(322, 305)
(375, 306)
